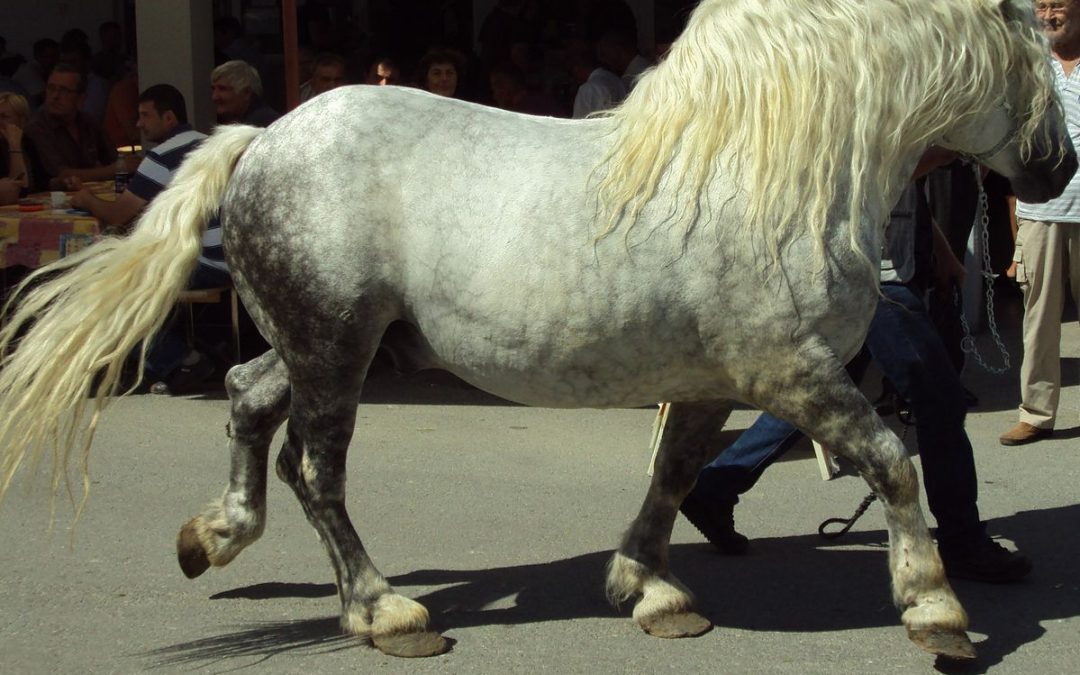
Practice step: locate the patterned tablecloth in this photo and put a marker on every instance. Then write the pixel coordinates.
(36, 238)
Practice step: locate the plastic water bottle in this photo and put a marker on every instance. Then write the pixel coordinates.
(121, 176)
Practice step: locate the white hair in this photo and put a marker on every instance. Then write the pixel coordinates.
(240, 74)
(810, 107)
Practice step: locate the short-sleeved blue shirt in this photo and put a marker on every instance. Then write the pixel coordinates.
(156, 171)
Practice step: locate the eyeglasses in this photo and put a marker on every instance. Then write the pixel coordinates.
(1058, 7)
(57, 89)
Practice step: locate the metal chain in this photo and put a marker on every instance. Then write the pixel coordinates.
(967, 344)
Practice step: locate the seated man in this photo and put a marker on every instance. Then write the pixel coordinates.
(599, 88)
(904, 344)
(69, 143)
(383, 72)
(236, 91)
(163, 118)
(327, 73)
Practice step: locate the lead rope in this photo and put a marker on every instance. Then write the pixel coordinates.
(967, 343)
(869, 499)
(847, 523)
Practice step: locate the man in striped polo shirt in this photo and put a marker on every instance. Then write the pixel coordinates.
(1048, 246)
(163, 119)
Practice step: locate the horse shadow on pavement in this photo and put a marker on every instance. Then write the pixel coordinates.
(798, 584)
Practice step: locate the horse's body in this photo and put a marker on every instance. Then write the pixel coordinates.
(704, 244)
(450, 222)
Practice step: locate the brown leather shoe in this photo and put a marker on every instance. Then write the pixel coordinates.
(1024, 433)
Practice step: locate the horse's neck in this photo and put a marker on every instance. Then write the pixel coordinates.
(875, 208)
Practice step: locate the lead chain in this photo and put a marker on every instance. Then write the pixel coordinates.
(967, 344)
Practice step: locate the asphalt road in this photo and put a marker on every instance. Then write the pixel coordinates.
(500, 519)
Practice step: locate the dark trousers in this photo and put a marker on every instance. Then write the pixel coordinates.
(903, 343)
(169, 347)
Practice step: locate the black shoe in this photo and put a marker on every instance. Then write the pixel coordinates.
(988, 562)
(716, 521)
(186, 379)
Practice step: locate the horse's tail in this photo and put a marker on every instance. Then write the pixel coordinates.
(73, 323)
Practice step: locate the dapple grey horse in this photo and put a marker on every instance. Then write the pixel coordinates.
(714, 239)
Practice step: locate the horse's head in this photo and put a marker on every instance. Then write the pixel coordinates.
(1039, 168)
(1021, 132)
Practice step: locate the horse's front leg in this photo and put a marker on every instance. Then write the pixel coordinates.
(259, 392)
(817, 396)
(312, 463)
(640, 567)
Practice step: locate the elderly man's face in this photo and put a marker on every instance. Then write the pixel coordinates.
(230, 105)
(1061, 22)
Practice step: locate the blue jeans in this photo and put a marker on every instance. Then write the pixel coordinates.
(903, 343)
(169, 348)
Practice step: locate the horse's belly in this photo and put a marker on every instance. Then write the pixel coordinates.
(568, 389)
(569, 373)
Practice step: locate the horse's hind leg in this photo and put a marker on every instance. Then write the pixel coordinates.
(312, 463)
(640, 567)
(818, 397)
(259, 392)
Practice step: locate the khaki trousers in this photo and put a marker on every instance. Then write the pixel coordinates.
(1047, 257)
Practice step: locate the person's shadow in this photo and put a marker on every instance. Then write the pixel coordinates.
(818, 586)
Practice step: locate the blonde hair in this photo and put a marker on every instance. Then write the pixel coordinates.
(18, 105)
(76, 320)
(807, 108)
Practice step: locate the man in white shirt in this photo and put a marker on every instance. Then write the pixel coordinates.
(1048, 246)
(600, 88)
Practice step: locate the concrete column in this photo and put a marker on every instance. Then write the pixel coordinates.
(176, 46)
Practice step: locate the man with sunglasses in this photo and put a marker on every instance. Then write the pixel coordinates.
(70, 143)
(1047, 253)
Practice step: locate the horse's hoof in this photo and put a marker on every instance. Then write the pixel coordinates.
(190, 552)
(678, 625)
(948, 644)
(412, 645)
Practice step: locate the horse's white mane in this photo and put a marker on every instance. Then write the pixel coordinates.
(810, 106)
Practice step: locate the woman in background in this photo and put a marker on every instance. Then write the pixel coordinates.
(440, 70)
(14, 163)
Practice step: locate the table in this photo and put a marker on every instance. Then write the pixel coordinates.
(35, 238)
